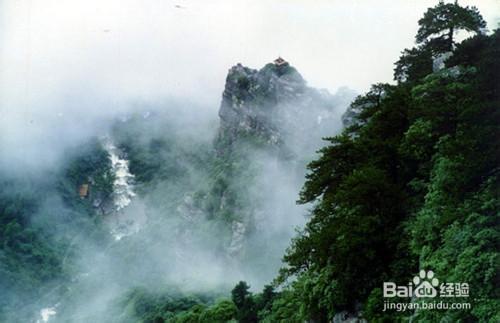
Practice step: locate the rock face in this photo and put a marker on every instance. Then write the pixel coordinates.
(275, 104)
(277, 111)
(346, 317)
(438, 63)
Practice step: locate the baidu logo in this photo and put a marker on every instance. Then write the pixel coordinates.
(425, 284)
(425, 292)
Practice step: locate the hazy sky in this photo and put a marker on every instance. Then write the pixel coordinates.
(79, 58)
(131, 48)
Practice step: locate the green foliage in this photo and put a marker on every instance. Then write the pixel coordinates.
(223, 311)
(158, 307)
(176, 307)
(265, 300)
(439, 24)
(466, 249)
(411, 183)
(280, 70)
(243, 83)
(158, 152)
(351, 230)
(90, 165)
(244, 302)
(287, 307)
(36, 228)
(413, 64)
(27, 259)
(435, 36)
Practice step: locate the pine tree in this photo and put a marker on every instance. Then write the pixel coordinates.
(439, 25)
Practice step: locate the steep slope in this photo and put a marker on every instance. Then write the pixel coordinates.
(276, 105)
(411, 185)
(271, 123)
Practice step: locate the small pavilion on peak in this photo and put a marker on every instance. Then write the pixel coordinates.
(280, 62)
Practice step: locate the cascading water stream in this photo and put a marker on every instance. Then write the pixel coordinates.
(46, 313)
(122, 223)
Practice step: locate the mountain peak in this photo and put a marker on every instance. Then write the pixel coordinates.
(273, 103)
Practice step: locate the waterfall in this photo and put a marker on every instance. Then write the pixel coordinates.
(123, 189)
(123, 222)
(46, 313)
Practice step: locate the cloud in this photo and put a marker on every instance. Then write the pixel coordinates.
(67, 64)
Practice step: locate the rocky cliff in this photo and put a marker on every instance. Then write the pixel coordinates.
(267, 117)
(276, 104)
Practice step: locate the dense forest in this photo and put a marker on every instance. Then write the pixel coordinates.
(410, 183)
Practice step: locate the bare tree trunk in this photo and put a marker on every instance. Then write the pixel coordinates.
(450, 39)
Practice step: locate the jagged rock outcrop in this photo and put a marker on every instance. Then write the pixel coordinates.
(346, 317)
(438, 63)
(276, 105)
(275, 110)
